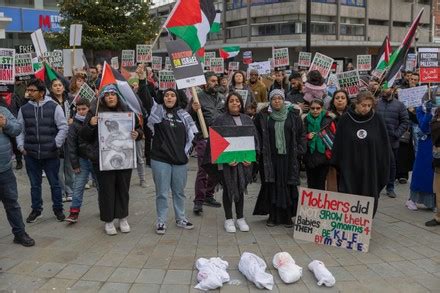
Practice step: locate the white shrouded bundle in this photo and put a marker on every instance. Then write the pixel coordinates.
(212, 273)
(287, 268)
(322, 274)
(253, 268)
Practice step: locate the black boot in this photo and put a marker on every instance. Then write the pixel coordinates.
(24, 240)
(19, 165)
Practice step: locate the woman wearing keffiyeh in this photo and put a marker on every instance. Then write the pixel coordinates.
(282, 141)
(173, 130)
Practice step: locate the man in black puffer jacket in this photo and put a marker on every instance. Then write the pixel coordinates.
(397, 122)
(81, 165)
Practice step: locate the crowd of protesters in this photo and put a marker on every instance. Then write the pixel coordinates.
(359, 144)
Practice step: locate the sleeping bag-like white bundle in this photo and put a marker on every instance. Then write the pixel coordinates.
(212, 273)
(254, 269)
(322, 274)
(287, 268)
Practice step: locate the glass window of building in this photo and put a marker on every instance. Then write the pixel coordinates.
(50, 4)
(18, 3)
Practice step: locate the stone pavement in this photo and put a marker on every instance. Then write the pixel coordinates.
(404, 255)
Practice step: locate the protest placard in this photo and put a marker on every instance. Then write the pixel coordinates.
(335, 219)
(67, 60)
(117, 149)
(208, 57)
(263, 68)
(243, 93)
(39, 42)
(144, 54)
(412, 97)
(322, 63)
(217, 65)
(55, 58)
(21, 49)
(114, 62)
(186, 68)
(233, 66)
(429, 64)
(411, 62)
(280, 58)
(23, 66)
(85, 92)
(127, 58)
(363, 63)
(349, 81)
(167, 63)
(157, 63)
(166, 80)
(7, 66)
(247, 57)
(304, 60)
(272, 64)
(75, 35)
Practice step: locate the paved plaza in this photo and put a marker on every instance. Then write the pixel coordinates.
(404, 255)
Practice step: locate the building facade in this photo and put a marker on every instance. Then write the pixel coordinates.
(340, 28)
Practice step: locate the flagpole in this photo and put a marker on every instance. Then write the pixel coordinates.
(200, 113)
(165, 23)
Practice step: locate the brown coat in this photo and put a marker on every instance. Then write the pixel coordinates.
(260, 91)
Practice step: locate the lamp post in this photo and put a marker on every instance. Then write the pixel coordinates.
(308, 25)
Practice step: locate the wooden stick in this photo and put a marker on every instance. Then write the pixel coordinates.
(429, 91)
(200, 114)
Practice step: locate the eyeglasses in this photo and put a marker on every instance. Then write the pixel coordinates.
(315, 108)
(31, 90)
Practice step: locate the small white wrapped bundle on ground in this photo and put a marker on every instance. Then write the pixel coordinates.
(212, 273)
(287, 268)
(254, 269)
(322, 274)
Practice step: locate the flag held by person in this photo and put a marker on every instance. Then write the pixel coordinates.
(229, 52)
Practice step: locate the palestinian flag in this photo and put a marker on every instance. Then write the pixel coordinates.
(216, 27)
(112, 76)
(383, 56)
(229, 52)
(398, 57)
(232, 144)
(48, 74)
(191, 20)
(201, 55)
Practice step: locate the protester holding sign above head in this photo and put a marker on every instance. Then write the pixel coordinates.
(66, 174)
(173, 130)
(360, 151)
(282, 140)
(212, 104)
(279, 82)
(320, 129)
(258, 88)
(114, 185)
(396, 120)
(339, 104)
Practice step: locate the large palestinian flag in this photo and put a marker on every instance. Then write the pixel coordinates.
(232, 144)
(191, 20)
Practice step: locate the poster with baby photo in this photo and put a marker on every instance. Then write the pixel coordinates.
(117, 149)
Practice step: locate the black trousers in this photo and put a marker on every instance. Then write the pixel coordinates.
(113, 194)
(317, 176)
(227, 205)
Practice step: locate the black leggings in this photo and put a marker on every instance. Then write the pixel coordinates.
(317, 176)
(227, 205)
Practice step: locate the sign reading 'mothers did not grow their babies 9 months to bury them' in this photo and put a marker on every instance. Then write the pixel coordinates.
(333, 218)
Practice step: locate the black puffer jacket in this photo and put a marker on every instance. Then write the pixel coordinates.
(396, 118)
(77, 146)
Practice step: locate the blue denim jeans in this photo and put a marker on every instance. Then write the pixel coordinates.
(166, 177)
(9, 197)
(81, 178)
(34, 169)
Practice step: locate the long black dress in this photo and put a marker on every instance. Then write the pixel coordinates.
(361, 154)
(278, 195)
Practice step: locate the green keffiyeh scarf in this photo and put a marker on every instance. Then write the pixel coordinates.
(280, 117)
(314, 125)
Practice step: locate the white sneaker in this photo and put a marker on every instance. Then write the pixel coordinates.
(230, 226)
(110, 229)
(87, 186)
(123, 225)
(143, 184)
(242, 225)
(411, 205)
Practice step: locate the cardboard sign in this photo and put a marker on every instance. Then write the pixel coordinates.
(247, 57)
(412, 97)
(167, 63)
(75, 35)
(21, 49)
(363, 63)
(127, 58)
(261, 67)
(23, 65)
(429, 57)
(411, 62)
(349, 81)
(208, 57)
(157, 63)
(85, 92)
(322, 63)
(68, 62)
(144, 54)
(332, 80)
(243, 93)
(114, 63)
(217, 65)
(55, 58)
(187, 70)
(166, 80)
(39, 43)
(304, 59)
(335, 219)
(7, 66)
(280, 59)
(428, 75)
(233, 66)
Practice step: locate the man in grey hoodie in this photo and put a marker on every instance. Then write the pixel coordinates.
(10, 128)
(43, 134)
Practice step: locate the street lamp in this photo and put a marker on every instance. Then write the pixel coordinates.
(308, 25)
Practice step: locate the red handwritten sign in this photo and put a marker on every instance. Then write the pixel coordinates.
(430, 74)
